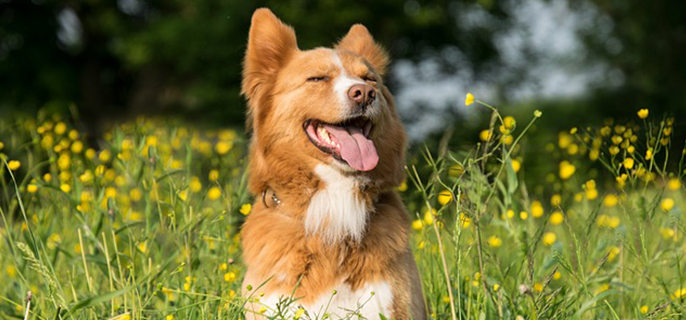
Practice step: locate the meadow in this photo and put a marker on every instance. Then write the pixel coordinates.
(147, 225)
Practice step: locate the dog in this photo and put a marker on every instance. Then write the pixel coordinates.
(327, 235)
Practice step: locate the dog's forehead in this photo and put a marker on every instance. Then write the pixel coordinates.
(330, 60)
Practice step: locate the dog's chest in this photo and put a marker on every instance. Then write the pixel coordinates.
(341, 301)
(369, 301)
(338, 210)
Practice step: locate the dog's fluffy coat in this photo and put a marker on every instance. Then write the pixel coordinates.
(333, 228)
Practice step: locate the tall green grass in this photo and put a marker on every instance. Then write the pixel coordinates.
(147, 225)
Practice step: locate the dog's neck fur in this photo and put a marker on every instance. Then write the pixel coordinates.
(338, 210)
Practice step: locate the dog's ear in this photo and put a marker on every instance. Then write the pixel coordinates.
(360, 41)
(270, 42)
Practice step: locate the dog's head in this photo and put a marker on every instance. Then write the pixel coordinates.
(325, 105)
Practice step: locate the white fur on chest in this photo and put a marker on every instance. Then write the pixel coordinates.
(336, 211)
(368, 302)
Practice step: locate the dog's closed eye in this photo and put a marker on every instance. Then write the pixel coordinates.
(369, 78)
(318, 79)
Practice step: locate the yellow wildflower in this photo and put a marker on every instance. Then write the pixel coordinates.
(538, 287)
(679, 293)
(195, 184)
(496, 287)
(523, 215)
(143, 247)
(555, 200)
(536, 209)
(77, 147)
(213, 175)
(403, 186)
(455, 170)
(674, 184)
(465, 221)
(429, 216)
(644, 309)
(60, 128)
(643, 113)
(610, 200)
(649, 153)
(509, 123)
(494, 241)
(90, 153)
(667, 204)
(621, 180)
(32, 188)
(613, 253)
(485, 135)
(566, 170)
(14, 165)
(417, 224)
(668, 233)
(73, 134)
(614, 150)
(602, 288)
(65, 188)
(444, 197)
(105, 155)
(230, 276)
(549, 238)
(469, 99)
(557, 275)
(556, 218)
(135, 194)
(298, 313)
(223, 147)
(564, 140)
(516, 165)
(245, 209)
(593, 154)
(214, 193)
(628, 163)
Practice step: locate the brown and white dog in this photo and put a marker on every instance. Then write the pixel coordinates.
(327, 151)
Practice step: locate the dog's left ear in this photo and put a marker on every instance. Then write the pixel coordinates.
(360, 41)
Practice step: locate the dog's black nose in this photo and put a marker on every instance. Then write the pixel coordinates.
(362, 95)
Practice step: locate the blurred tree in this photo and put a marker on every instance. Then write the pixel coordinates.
(646, 46)
(117, 58)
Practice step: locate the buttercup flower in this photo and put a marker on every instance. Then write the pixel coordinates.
(667, 204)
(549, 238)
(643, 113)
(469, 99)
(444, 197)
(566, 170)
(245, 209)
(494, 241)
(14, 165)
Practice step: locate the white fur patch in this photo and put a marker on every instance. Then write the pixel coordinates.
(343, 82)
(367, 302)
(336, 211)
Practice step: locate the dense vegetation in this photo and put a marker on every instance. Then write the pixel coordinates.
(147, 225)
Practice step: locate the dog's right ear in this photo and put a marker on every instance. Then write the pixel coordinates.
(270, 42)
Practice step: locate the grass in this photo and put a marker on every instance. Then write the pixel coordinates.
(147, 226)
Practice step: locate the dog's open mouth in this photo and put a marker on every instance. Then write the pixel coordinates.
(347, 141)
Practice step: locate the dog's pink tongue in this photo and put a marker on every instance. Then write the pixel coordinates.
(356, 149)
